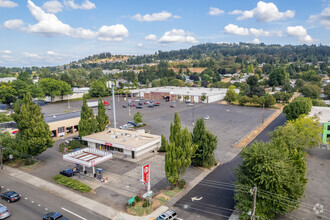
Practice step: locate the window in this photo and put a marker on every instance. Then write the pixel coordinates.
(61, 130)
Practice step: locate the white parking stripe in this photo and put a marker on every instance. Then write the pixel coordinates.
(73, 213)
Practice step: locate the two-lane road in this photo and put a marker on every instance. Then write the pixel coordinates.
(215, 192)
(36, 202)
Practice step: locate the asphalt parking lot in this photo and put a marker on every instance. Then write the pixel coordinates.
(228, 123)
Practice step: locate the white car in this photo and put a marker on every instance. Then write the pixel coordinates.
(126, 126)
(206, 117)
(4, 212)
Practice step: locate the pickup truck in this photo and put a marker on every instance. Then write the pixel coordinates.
(96, 103)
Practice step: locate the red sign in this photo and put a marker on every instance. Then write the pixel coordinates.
(146, 173)
(106, 103)
(108, 144)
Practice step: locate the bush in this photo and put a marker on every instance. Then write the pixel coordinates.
(74, 144)
(145, 203)
(72, 183)
(28, 162)
(181, 183)
(138, 199)
(318, 102)
(243, 100)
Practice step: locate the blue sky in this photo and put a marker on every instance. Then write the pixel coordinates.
(47, 33)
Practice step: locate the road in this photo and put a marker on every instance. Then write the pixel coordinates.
(35, 202)
(213, 196)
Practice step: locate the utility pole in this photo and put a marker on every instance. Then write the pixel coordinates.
(254, 191)
(1, 158)
(263, 112)
(111, 85)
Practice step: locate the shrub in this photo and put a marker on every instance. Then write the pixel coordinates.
(318, 102)
(74, 144)
(145, 203)
(243, 100)
(72, 183)
(138, 199)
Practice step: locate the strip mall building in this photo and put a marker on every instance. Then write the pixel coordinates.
(173, 93)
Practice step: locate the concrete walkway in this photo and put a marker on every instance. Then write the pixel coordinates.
(73, 197)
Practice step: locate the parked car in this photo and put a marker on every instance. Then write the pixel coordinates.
(132, 105)
(54, 216)
(140, 103)
(133, 123)
(4, 212)
(77, 138)
(169, 214)
(109, 107)
(124, 106)
(146, 102)
(190, 104)
(11, 196)
(126, 126)
(167, 100)
(139, 106)
(172, 106)
(206, 117)
(156, 103)
(151, 105)
(67, 172)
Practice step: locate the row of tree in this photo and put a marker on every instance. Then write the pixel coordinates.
(185, 148)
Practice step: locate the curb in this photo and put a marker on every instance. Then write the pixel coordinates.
(87, 203)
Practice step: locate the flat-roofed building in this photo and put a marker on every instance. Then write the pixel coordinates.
(126, 144)
(62, 124)
(173, 93)
(323, 113)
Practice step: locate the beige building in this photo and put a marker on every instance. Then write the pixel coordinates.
(63, 124)
(126, 144)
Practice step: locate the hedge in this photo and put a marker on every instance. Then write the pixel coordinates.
(72, 183)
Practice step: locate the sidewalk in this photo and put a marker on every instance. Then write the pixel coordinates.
(73, 197)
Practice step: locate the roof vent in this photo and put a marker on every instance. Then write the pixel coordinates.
(113, 136)
(124, 139)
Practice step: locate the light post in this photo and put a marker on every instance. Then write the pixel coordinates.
(1, 164)
(111, 85)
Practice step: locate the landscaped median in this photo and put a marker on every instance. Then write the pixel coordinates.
(72, 183)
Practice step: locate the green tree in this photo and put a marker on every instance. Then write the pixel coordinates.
(206, 142)
(138, 117)
(250, 68)
(101, 118)
(271, 169)
(34, 136)
(311, 91)
(98, 89)
(5, 118)
(178, 152)
(164, 144)
(231, 95)
(87, 124)
(96, 74)
(203, 97)
(327, 90)
(278, 77)
(297, 107)
(252, 80)
(243, 100)
(53, 87)
(299, 84)
(7, 93)
(269, 100)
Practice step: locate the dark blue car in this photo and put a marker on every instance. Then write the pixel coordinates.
(11, 196)
(54, 216)
(67, 172)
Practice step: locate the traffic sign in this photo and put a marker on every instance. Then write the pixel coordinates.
(131, 200)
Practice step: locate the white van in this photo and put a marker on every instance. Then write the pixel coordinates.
(168, 215)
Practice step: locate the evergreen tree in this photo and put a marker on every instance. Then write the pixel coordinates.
(101, 118)
(138, 117)
(34, 136)
(206, 142)
(178, 152)
(164, 144)
(87, 124)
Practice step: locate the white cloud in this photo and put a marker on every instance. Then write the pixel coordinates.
(52, 6)
(112, 33)
(234, 29)
(49, 25)
(7, 51)
(301, 33)
(52, 53)
(7, 4)
(161, 16)
(139, 45)
(86, 5)
(256, 41)
(177, 36)
(13, 24)
(176, 16)
(215, 11)
(151, 37)
(323, 18)
(265, 12)
(30, 55)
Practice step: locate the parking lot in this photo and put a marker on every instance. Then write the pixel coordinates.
(229, 123)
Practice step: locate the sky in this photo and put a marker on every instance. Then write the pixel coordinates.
(56, 32)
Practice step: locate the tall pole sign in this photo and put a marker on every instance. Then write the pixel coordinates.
(146, 179)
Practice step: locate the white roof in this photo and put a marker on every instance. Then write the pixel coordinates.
(87, 157)
(322, 112)
(7, 79)
(80, 90)
(197, 91)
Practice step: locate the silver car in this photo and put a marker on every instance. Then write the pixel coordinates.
(4, 212)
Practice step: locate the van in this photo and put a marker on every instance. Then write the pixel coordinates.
(168, 215)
